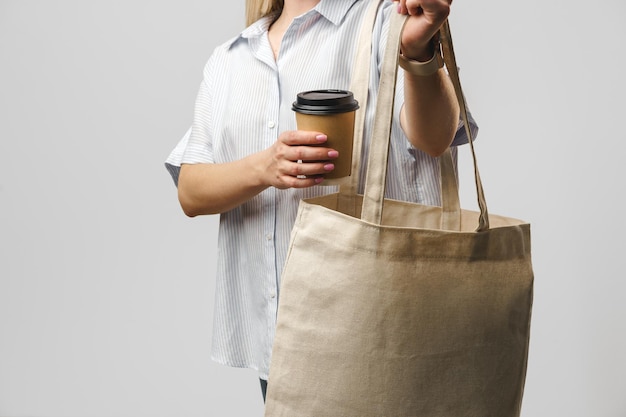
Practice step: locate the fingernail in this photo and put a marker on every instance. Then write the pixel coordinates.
(333, 154)
(321, 138)
(399, 8)
(329, 167)
(319, 179)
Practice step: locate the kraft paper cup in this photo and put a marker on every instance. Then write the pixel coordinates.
(330, 112)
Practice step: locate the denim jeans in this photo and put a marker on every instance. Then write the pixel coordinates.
(263, 388)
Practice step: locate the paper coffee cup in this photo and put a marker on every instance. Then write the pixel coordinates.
(330, 112)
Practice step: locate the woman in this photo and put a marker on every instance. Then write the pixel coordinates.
(240, 157)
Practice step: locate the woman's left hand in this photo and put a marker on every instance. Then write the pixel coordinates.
(427, 16)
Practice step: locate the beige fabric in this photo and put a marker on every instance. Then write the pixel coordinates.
(399, 309)
(423, 69)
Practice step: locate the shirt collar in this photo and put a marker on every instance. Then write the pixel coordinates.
(258, 28)
(333, 10)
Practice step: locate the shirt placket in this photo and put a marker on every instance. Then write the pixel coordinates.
(271, 132)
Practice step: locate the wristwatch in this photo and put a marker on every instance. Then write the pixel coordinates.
(423, 68)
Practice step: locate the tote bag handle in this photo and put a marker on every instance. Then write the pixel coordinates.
(453, 71)
(375, 182)
(347, 196)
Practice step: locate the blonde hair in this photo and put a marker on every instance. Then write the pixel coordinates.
(256, 9)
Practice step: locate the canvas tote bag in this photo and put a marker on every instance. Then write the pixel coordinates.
(398, 309)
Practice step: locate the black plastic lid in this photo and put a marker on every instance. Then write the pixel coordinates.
(325, 102)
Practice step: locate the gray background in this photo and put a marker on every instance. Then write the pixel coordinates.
(106, 288)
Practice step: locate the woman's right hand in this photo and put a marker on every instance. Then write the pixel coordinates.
(298, 159)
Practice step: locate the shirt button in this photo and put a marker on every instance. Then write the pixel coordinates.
(273, 295)
(271, 124)
(268, 237)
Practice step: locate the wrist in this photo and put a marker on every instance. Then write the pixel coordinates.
(423, 64)
(419, 53)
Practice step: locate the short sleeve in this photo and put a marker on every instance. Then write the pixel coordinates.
(199, 147)
(460, 138)
(196, 145)
(173, 161)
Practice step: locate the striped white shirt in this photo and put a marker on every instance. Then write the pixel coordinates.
(243, 104)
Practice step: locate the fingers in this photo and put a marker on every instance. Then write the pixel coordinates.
(301, 159)
(305, 146)
(301, 137)
(295, 182)
(430, 8)
(411, 8)
(291, 174)
(426, 17)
